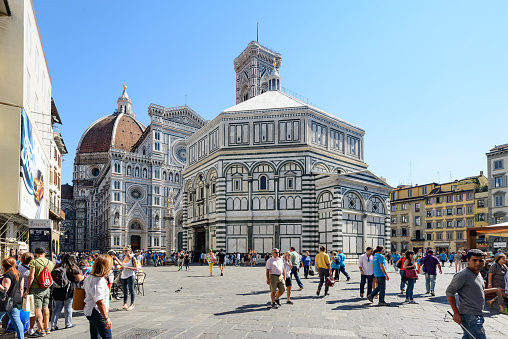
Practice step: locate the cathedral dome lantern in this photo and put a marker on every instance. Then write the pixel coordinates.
(124, 103)
(119, 130)
(274, 79)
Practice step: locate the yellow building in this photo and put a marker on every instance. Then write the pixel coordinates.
(436, 215)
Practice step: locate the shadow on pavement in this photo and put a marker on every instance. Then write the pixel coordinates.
(247, 309)
(255, 293)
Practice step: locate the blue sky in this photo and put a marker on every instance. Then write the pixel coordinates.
(428, 81)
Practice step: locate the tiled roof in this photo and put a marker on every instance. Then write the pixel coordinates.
(120, 131)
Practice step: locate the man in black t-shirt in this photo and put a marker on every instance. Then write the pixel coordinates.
(222, 260)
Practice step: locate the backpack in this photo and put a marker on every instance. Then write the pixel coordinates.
(61, 288)
(45, 280)
(60, 279)
(336, 260)
(400, 262)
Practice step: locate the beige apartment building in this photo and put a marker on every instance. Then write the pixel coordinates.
(436, 215)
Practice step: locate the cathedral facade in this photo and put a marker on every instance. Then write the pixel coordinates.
(127, 178)
(273, 171)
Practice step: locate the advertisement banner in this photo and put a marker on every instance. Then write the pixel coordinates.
(40, 234)
(33, 169)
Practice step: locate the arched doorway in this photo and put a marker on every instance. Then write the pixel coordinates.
(135, 242)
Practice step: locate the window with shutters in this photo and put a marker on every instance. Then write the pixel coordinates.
(394, 233)
(439, 212)
(214, 140)
(498, 164)
(480, 217)
(289, 131)
(337, 140)
(418, 207)
(460, 211)
(449, 235)
(470, 196)
(498, 201)
(470, 209)
(458, 197)
(239, 134)
(353, 146)
(319, 134)
(439, 236)
(460, 235)
(428, 225)
(409, 193)
(418, 221)
(428, 201)
(460, 223)
(428, 236)
(429, 213)
(498, 181)
(394, 220)
(439, 224)
(264, 132)
(449, 198)
(449, 223)
(480, 203)
(424, 190)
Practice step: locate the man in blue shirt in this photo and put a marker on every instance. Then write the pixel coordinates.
(342, 265)
(395, 258)
(379, 266)
(443, 258)
(450, 258)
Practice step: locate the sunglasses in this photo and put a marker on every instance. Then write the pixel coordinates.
(275, 252)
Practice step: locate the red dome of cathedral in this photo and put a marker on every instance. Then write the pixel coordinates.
(120, 130)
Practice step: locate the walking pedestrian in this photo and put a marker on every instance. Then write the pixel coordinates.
(275, 277)
(342, 265)
(12, 286)
(429, 263)
(186, 260)
(335, 261)
(181, 256)
(41, 294)
(222, 261)
(202, 258)
(409, 264)
(254, 258)
(73, 274)
(128, 277)
(379, 268)
(306, 262)
(468, 284)
(97, 298)
(464, 260)
(367, 271)
(288, 266)
(443, 257)
(402, 272)
(450, 258)
(458, 260)
(238, 259)
(295, 262)
(395, 260)
(324, 269)
(210, 259)
(496, 277)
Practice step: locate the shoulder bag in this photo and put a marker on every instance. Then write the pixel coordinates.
(6, 303)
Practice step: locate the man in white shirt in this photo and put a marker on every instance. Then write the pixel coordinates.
(275, 277)
(367, 271)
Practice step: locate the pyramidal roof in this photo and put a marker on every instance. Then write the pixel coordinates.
(273, 100)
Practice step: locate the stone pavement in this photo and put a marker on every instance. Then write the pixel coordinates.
(194, 305)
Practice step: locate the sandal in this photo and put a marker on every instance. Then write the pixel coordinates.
(130, 308)
(491, 304)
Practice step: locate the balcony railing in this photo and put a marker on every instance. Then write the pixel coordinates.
(417, 239)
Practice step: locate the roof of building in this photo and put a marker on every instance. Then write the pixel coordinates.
(67, 191)
(500, 148)
(273, 100)
(120, 131)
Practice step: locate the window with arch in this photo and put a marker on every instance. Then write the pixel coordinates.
(145, 173)
(164, 175)
(320, 168)
(135, 226)
(129, 170)
(235, 176)
(376, 205)
(263, 183)
(170, 176)
(352, 201)
(136, 172)
(117, 167)
(177, 177)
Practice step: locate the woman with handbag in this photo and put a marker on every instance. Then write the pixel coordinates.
(11, 291)
(409, 267)
(128, 277)
(74, 276)
(97, 298)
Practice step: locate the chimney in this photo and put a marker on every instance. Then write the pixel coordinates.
(481, 173)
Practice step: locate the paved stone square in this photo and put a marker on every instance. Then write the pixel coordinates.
(194, 305)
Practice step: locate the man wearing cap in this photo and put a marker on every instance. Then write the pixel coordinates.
(275, 277)
(41, 295)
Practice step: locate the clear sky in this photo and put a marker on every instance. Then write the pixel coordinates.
(427, 80)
